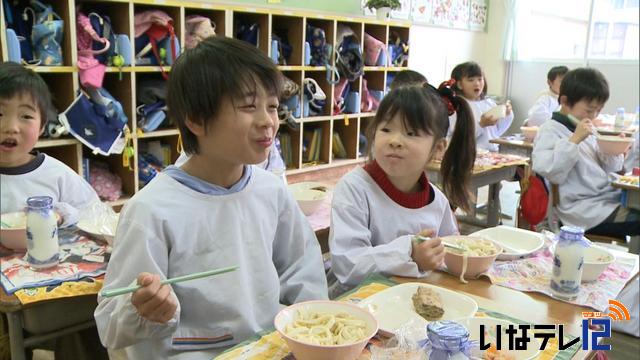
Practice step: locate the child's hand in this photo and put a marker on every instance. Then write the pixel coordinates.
(488, 120)
(60, 218)
(583, 130)
(509, 107)
(154, 301)
(428, 254)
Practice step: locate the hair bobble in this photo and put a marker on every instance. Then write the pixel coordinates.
(448, 93)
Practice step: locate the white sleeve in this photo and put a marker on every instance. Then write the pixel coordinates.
(633, 158)
(353, 256)
(539, 112)
(610, 163)
(136, 249)
(504, 123)
(297, 257)
(75, 195)
(553, 156)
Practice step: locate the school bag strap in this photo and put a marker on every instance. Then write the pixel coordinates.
(156, 25)
(87, 36)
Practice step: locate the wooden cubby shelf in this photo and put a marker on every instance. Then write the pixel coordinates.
(122, 83)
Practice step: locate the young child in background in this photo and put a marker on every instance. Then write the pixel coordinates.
(214, 211)
(25, 105)
(547, 102)
(566, 154)
(470, 81)
(377, 208)
(407, 78)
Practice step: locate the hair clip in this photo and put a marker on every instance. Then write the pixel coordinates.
(448, 94)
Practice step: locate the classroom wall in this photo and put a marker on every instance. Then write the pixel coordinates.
(529, 78)
(435, 51)
(346, 7)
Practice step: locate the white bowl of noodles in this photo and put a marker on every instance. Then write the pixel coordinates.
(324, 329)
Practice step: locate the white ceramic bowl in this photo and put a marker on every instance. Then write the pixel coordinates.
(516, 243)
(309, 195)
(596, 260)
(529, 132)
(498, 111)
(614, 145)
(306, 351)
(15, 237)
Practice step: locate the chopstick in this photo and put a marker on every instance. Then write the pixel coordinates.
(5, 225)
(420, 239)
(132, 288)
(575, 121)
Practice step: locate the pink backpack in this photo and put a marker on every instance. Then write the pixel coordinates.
(198, 28)
(91, 70)
(368, 103)
(372, 49)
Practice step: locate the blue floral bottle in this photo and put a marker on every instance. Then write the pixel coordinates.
(42, 233)
(568, 261)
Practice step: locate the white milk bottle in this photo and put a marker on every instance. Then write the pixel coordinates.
(568, 261)
(42, 233)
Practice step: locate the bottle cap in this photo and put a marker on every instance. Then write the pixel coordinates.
(40, 202)
(571, 234)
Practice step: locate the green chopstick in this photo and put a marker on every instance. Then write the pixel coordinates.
(4, 225)
(132, 288)
(420, 239)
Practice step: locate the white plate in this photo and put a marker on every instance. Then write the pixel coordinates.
(517, 243)
(393, 307)
(473, 325)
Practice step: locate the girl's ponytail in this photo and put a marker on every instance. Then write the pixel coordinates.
(457, 163)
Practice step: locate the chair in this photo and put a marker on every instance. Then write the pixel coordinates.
(554, 223)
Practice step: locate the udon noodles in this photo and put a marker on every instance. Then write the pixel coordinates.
(473, 247)
(326, 329)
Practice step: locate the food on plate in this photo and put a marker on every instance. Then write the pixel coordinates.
(493, 353)
(428, 303)
(326, 329)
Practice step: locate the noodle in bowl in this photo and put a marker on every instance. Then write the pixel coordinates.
(316, 330)
(480, 254)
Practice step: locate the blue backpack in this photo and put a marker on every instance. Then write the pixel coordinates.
(320, 52)
(34, 33)
(349, 60)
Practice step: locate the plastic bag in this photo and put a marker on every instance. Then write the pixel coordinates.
(99, 220)
(403, 345)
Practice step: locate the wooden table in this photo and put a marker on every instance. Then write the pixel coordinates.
(45, 320)
(480, 178)
(532, 307)
(514, 147)
(630, 194)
